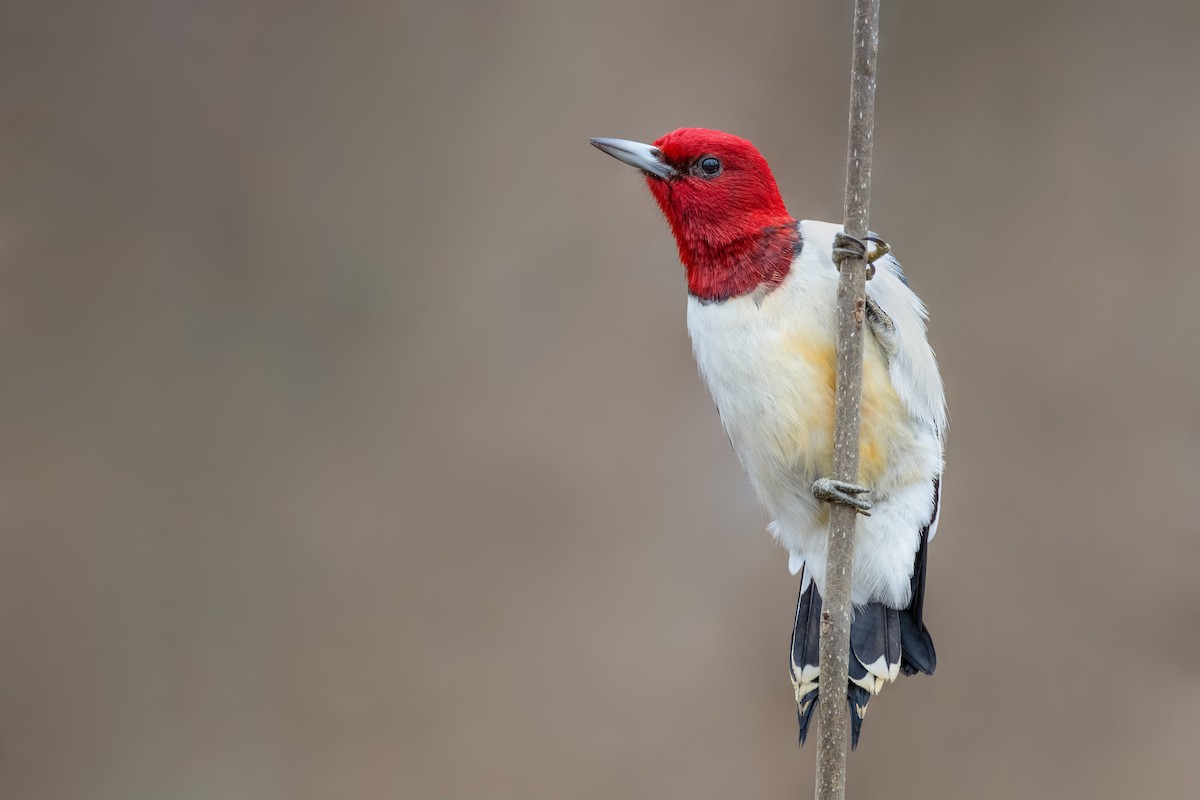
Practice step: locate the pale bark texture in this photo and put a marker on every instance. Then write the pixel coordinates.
(836, 613)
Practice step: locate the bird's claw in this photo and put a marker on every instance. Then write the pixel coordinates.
(879, 319)
(846, 246)
(832, 491)
(882, 248)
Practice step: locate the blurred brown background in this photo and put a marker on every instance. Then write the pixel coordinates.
(352, 446)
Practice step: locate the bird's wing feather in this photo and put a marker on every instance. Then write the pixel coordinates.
(911, 364)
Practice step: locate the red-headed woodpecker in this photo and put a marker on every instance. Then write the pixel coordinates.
(762, 294)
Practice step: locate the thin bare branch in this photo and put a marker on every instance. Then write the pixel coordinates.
(836, 613)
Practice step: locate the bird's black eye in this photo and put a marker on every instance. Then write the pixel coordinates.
(710, 166)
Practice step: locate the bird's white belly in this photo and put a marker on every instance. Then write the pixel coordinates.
(773, 387)
(772, 375)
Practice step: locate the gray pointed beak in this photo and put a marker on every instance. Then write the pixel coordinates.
(645, 157)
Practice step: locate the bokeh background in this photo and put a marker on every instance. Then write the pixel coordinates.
(352, 446)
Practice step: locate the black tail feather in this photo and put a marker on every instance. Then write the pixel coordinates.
(806, 640)
(857, 699)
(804, 713)
(916, 643)
(874, 641)
(871, 636)
(806, 633)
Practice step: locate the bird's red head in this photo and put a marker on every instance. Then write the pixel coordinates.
(717, 192)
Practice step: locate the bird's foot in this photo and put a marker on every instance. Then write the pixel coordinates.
(846, 246)
(832, 491)
(883, 327)
(879, 319)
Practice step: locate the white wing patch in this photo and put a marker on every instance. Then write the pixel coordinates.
(911, 363)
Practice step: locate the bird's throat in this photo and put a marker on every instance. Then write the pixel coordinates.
(719, 270)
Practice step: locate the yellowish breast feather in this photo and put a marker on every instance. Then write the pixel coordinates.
(805, 408)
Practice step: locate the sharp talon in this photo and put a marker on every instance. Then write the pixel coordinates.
(881, 250)
(832, 491)
(846, 246)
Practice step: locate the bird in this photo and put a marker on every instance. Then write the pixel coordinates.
(762, 314)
